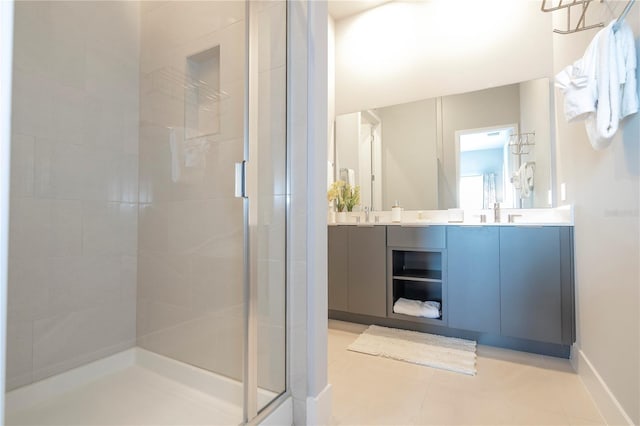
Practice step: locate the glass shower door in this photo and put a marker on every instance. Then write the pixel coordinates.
(192, 230)
(218, 297)
(267, 178)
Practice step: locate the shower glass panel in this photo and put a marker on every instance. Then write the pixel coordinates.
(131, 287)
(191, 230)
(268, 152)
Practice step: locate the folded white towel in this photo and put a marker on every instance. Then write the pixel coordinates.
(417, 308)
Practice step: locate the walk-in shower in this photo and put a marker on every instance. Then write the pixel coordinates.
(143, 287)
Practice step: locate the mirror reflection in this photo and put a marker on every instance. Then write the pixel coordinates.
(467, 150)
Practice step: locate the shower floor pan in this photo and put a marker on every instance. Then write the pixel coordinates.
(134, 387)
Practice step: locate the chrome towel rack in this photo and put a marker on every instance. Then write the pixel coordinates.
(623, 15)
(581, 25)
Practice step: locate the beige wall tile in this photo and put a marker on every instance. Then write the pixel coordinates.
(22, 165)
(73, 254)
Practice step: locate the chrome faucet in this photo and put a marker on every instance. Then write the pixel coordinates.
(366, 214)
(496, 212)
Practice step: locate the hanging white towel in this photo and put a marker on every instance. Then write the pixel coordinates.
(195, 153)
(177, 154)
(601, 87)
(348, 175)
(188, 157)
(417, 308)
(352, 177)
(625, 42)
(603, 125)
(579, 85)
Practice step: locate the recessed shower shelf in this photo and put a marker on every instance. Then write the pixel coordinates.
(173, 82)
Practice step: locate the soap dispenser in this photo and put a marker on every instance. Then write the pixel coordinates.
(396, 212)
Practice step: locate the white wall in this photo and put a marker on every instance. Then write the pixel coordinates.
(74, 193)
(407, 51)
(604, 186)
(409, 168)
(307, 227)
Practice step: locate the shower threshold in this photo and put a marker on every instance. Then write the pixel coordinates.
(133, 387)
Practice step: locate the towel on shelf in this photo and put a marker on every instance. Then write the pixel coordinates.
(417, 308)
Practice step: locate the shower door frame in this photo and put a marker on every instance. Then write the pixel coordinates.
(6, 67)
(251, 413)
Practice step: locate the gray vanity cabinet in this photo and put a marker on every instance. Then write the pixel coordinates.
(367, 288)
(337, 272)
(474, 278)
(507, 285)
(357, 269)
(536, 284)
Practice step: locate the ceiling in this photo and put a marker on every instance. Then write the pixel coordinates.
(339, 9)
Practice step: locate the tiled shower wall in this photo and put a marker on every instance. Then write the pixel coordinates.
(109, 245)
(190, 258)
(74, 186)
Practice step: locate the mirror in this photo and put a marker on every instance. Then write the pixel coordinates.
(466, 150)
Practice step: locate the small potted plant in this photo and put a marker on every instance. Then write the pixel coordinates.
(345, 198)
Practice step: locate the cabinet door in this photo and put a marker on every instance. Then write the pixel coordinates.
(530, 278)
(367, 270)
(337, 256)
(474, 278)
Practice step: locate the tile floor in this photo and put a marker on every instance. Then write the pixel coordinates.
(511, 388)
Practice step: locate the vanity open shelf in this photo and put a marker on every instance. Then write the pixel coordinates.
(416, 268)
(416, 274)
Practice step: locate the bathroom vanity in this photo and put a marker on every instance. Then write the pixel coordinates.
(500, 284)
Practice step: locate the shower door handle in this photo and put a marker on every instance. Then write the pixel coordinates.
(241, 180)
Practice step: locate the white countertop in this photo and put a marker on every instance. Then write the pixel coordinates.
(470, 224)
(560, 216)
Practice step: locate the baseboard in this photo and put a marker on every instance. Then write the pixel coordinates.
(319, 408)
(281, 416)
(609, 407)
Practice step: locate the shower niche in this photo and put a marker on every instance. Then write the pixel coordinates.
(202, 94)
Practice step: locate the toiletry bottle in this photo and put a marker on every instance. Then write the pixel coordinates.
(396, 212)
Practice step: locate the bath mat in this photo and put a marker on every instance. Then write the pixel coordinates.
(446, 353)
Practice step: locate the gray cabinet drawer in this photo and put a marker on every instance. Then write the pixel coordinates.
(428, 237)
